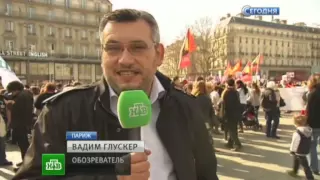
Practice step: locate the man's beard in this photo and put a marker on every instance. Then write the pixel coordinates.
(144, 86)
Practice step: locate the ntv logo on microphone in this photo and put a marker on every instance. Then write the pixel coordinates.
(137, 110)
(260, 11)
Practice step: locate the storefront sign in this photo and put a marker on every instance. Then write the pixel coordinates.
(23, 53)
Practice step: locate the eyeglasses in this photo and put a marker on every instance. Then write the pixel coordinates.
(134, 48)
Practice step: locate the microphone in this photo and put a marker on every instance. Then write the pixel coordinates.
(134, 111)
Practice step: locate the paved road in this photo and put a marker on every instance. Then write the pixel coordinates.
(260, 159)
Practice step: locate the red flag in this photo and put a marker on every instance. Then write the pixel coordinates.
(188, 46)
(185, 61)
(255, 65)
(247, 68)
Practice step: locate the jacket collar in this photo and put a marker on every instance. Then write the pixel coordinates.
(103, 92)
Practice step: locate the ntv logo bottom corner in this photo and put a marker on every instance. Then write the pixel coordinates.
(53, 164)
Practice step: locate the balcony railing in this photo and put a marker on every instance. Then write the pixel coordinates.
(47, 19)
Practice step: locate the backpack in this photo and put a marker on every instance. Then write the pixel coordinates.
(268, 102)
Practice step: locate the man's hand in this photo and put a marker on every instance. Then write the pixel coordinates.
(139, 167)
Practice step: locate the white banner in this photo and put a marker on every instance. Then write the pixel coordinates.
(293, 98)
(6, 74)
(7, 77)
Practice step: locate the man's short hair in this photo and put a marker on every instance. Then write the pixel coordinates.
(15, 86)
(130, 15)
(231, 82)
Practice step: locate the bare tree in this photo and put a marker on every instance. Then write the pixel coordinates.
(170, 64)
(202, 59)
(203, 30)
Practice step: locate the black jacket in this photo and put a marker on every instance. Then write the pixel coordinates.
(22, 110)
(269, 100)
(313, 108)
(232, 105)
(180, 129)
(205, 104)
(40, 99)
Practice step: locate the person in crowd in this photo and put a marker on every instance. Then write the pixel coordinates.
(209, 87)
(35, 92)
(300, 147)
(313, 116)
(59, 87)
(42, 89)
(176, 82)
(220, 88)
(8, 105)
(49, 90)
(200, 92)
(231, 108)
(188, 88)
(309, 87)
(215, 99)
(270, 99)
(26, 87)
(76, 83)
(3, 112)
(183, 83)
(200, 78)
(254, 98)
(21, 115)
(244, 96)
(177, 139)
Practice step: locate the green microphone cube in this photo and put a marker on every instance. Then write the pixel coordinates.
(134, 109)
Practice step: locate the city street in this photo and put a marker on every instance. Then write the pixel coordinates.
(260, 158)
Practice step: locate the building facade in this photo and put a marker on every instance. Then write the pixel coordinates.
(55, 40)
(285, 48)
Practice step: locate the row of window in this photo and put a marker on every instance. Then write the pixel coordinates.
(264, 41)
(61, 70)
(51, 31)
(268, 52)
(67, 4)
(275, 55)
(68, 17)
(246, 40)
(264, 31)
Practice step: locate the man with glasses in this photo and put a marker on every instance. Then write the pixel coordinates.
(177, 140)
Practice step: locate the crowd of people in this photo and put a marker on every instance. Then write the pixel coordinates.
(235, 104)
(232, 100)
(20, 106)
